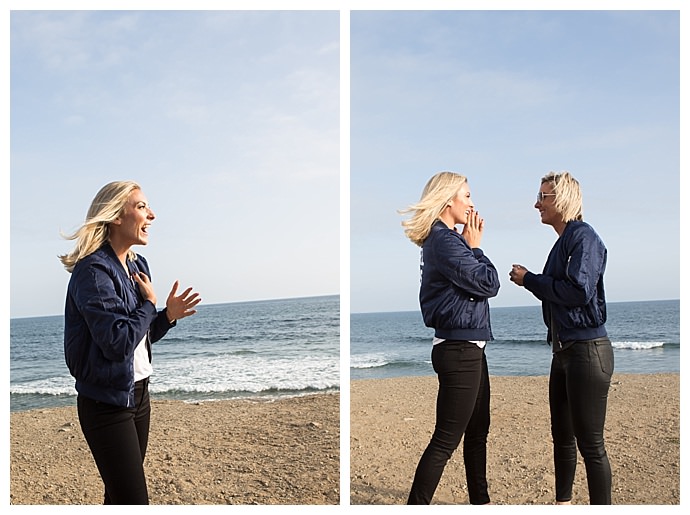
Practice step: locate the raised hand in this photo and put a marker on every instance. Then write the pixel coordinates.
(473, 229)
(181, 306)
(517, 274)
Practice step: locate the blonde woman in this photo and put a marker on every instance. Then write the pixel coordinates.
(571, 289)
(457, 281)
(111, 321)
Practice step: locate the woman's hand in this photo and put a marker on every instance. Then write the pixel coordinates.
(145, 286)
(182, 305)
(473, 230)
(517, 274)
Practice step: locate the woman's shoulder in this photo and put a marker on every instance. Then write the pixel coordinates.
(442, 237)
(99, 259)
(441, 231)
(583, 231)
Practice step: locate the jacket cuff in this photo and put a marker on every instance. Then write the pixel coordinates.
(170, 324)
(528, 280)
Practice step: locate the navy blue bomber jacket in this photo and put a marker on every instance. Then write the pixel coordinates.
(571, 286)
(105, 319)
(456, 283)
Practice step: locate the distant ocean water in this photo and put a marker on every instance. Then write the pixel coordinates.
(266, 349)
(645, 338)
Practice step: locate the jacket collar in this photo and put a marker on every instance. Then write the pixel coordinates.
(108, 250)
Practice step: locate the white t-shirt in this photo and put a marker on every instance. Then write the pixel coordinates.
(142, 365)
(480, 344)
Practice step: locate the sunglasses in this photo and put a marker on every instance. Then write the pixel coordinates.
(540, 196)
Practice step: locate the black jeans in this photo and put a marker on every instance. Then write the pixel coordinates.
(462, 407)
(578, 392)
(118, 438)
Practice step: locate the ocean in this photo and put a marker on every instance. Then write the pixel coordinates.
(645, 338)
(281, 348)
(262, 349)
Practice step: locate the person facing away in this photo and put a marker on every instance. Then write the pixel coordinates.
(571, 290)
(457, 279)
(111, 320)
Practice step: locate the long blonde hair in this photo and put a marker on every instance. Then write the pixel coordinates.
(106, 206)
(439, 190)
(568, 199)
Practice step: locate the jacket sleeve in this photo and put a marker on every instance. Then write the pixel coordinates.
(469, 269)
(160, 326)
(584, 265)
(113, 329)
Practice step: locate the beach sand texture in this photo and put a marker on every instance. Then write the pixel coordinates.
(229, 452)
(287, 452)
(392, 421)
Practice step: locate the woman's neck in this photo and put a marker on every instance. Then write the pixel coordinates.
(447, 219)
(560, 227)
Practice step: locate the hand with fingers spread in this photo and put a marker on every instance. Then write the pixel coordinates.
(181, 306)
(473, 229)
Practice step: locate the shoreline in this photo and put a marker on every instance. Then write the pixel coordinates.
(391, 421)
(71, 400)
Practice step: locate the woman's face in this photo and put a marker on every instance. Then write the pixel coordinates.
(131, 227)
(461, 205)
(546, 204)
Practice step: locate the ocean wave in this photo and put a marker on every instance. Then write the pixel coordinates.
(270, 394)
(49, 386)
(280, 388)
(246, 386)
(637, 345)
(246, 373)
(35, 400)
(212, 374)
(368, 361)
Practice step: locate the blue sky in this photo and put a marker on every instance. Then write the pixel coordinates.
(231, 122)
(228, 120)
(504, 97)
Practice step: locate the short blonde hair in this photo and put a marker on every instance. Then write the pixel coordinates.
(106, 206)
(439, 190)
(568, 199)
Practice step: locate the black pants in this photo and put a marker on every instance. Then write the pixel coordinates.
(118, 438)
(462, 407)
(578, 393)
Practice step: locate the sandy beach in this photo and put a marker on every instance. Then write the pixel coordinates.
(392, 421)
(230, 452)
(287, 452)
